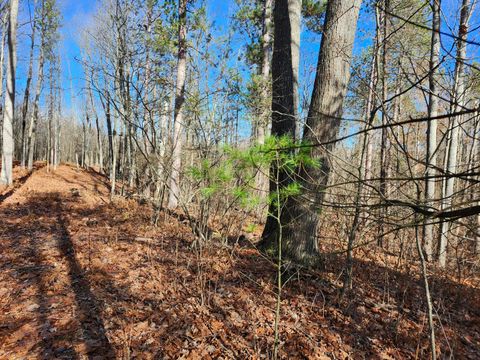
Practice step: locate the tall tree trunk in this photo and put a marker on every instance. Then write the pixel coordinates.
(56, 143)
(265, 70)
(149, 141)
(99, 133)
(8, 139)
(83, 163)
(50, 120)
(40, 75)
(370, 105)
(283, 106)
(384, 131)
(261, 178)
(111, 141)
(295, 14)
(34, 116)
(26, 96)
(431, 158)
(300, 214)
(2, 56)
(161, 174)
(474, 194)
(178, 132)
(458, 105)
(352, 234)
(477, 235)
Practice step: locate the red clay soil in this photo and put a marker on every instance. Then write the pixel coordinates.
(81, 277)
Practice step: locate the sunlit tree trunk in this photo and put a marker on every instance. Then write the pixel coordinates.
(2, 56)
(369, 106)
(475, 161)
(8, 138)
(178, 132)
(295, 14)
(384, 132)
(26, 97)
(300, 215)
(97, 125)
(458, 105)
(84, 162)
(57, 132)
(261, 177)
(265, 70)
(50, 115)
(433, 102)
(111, 141)
(32, 128)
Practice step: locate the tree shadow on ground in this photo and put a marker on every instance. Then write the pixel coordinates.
(385, 310)
(38, 243)
(168, 298)
(93, 329)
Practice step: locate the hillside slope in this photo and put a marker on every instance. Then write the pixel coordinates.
(83, 277)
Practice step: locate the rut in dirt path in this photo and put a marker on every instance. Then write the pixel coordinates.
(48, 308)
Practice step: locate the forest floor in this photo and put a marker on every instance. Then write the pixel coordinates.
(82, 277)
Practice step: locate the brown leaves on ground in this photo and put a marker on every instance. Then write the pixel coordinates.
(81, 277)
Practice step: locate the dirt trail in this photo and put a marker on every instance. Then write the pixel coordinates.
(48, 308)
(82, 278)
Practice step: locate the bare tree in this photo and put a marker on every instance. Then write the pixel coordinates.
(2, 50)
(458, 103)
(266, 67)
(38, 90)
(178, 131)
(433, 104)
(370, 102)
(295, 14)
(8, 139)
(261, 178)
(26, 96)
(384, 41)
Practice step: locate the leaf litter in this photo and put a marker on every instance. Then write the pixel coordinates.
(83, 277)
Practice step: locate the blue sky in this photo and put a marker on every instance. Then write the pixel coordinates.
(77, 13)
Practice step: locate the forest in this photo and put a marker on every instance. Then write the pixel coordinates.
(240, 179)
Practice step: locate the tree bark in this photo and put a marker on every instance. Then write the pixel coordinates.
(283, 106)
(49, 157)
(178, 132)
(301, 213)
(26, 97)
(8, 139)
(266, 66)
(34, 116)
(474, 194)
(295, 13)
(261, 178)
(384, 132)
(2, 57)
(433, 104)
(111, 142)
(370, 105)
(56, 142)
(458, 104)
(97, 125)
